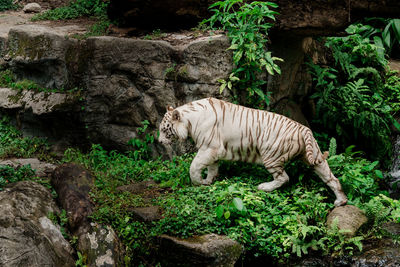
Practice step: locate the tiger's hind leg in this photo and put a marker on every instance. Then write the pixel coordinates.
(280, 178)
(324, 172)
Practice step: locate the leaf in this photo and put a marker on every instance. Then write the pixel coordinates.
(222, 87)
(219, 211)
(396, 28)
(227, 214)
(379, 174)
(396, 124)
(238, 203)
(386, 36)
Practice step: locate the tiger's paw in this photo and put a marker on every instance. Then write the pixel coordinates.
(340, 202)
(267, 187)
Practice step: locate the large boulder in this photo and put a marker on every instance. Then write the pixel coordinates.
(44, 55)
(27, 236)
(139, 79)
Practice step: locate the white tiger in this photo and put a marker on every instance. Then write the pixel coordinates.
(222, 130)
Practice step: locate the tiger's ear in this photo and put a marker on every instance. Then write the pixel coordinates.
(170, 108)
(176, 116)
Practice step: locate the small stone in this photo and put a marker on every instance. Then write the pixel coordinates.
(32, 8)
(349, 218)
(146, 214)
(137, 188)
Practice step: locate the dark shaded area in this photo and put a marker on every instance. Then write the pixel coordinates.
(304, 17)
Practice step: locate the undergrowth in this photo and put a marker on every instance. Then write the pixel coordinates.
(13, 144)
(247, 26)
(284, 224)
(7, 5)
(76, 9)
(357, 96)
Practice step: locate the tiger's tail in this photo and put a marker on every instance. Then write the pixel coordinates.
(310, 145)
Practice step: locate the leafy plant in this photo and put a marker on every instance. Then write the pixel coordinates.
(10, 175)
(247, 26)
(75, 9)
(359, 177)
(141, 146)
(7, 4)
(60, 219)
(357, 97)
(13, 144)
(382, 209)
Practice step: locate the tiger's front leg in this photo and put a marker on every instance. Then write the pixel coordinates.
(202, 160)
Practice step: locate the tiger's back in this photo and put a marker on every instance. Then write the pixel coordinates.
(245, 134)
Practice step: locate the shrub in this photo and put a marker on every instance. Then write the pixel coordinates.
(247, 26)
(7, 4)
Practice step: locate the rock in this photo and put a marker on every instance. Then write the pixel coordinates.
(207, 250)
(44, 55)
(395, 65)
(138, 187)
(140, 78)
(146, 214)
(27, 236)
(101, 246)
(32, 8)
(43, 169)
(394, 174)
(349, 218)
(98, 243)
(39, 102)
(72, 183)
(381, 253)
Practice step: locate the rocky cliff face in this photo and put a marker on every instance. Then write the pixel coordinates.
(124, 81)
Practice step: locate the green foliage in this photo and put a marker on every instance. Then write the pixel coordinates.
(13, 144)
(60, 219)
(10, 175)
(76, 9)
(356, 98)
(385, 33)
(284, 223)
(382, 209)
(7, 4)
(157, 33)
(9, 80)
(81, 261)
(247, 26)
(359, 177)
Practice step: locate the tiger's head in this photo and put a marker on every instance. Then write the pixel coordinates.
(172, 127)
(167, 133)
